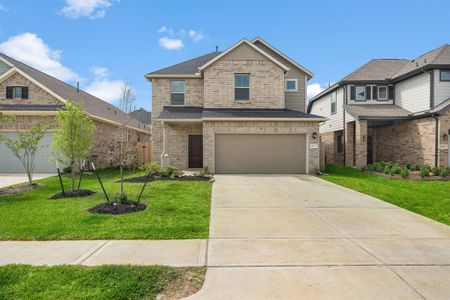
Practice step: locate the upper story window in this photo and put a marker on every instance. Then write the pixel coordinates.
(358, 93)
(291, 85)
(333, 99)
(445, 75)
(17, 92)
(382, 92)
(177, 88)
(241, 87)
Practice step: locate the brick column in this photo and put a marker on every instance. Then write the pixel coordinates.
(349, 143)
(361, 143)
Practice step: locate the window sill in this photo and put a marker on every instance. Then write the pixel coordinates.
(242, 101)
(291, 91)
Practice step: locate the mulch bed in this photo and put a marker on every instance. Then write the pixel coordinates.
(19, 188)
(412, 176)
(117, 208)
(73, 194)
(182, 178)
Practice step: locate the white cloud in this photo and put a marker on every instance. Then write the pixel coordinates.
(313, 89)
(102, 87)
(165, 29)
(3, 8)
(93, 9)
(196, 35)
(171, 44)
(31, 50)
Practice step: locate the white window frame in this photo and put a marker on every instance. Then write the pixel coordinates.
(387, 93)
(356, 92)
(15, 97)
(241, 87)
(333, 99)
(184, 92)
(286, 89)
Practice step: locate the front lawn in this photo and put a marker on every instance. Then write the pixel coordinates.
(428, 198)
(103, 282)
(176, 210)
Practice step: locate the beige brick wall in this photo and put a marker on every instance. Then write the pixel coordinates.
(177, 143)
(36, 95)
(407, 142)
(211, 128)
(349, 144)
(266, 84)
(329, 145)
(444, 129)
(361, 143)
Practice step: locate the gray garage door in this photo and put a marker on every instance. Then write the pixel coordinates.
(260, 153)
(11, 164)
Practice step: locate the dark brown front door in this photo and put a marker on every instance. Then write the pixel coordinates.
(195, 151)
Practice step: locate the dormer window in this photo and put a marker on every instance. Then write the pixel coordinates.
(290, 85)
(177, 92)
(17, 92)
(241, 87)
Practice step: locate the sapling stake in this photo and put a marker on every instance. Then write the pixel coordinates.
(60, 181)
(143, 188)
(81, 175)
(101, 184)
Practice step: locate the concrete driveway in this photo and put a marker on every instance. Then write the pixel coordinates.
(7, 179)
(291, 237)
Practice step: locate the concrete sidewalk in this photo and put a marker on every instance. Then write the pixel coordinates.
(7, 179)
(176, 253)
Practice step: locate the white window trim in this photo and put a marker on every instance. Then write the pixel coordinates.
(296, 85)
(387, 92)
(14, 93)
(242, 87)
(356, 93)
(331, 102)
(184, 93)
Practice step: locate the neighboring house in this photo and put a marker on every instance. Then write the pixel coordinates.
(389, 110)
(142, 116)
(32, 96)
(238, 111)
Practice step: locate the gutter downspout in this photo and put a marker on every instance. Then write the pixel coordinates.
(163, 153)
(436, 146)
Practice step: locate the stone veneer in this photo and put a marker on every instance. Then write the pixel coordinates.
(210, 128)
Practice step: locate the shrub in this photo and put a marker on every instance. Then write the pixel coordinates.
(444, 172)
(387, 170)
(378, 167)
(395, 170)
(152, 168)
(425, 172)
(404, 173)
(171, 172)
(204, 172)
(435, 171)
(416, 167)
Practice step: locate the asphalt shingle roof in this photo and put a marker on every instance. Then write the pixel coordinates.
(92, 104)
(189, 67)
(368, 111)
(142, 115)
(376, 69)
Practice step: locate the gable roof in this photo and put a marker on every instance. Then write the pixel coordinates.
(376, 70)
(377, 111)
(63, 91)
(142, 115)
(293, 62)
(244, 41)
(188, 67)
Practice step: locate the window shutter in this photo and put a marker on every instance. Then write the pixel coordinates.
(9, 92)
(25, 92)
(352, 92)
(368, 92)
(391, 92)
(375, 92)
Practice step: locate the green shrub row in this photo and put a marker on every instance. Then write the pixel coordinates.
(404, 171)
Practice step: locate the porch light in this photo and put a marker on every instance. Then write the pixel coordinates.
(314, 135)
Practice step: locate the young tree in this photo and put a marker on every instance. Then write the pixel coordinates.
(122, 149)
(73, 137)
(25, 147)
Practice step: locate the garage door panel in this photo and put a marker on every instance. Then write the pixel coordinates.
(260, 153)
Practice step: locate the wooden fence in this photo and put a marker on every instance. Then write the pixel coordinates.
(144, 151)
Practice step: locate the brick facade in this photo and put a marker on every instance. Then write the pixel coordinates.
(444, 137)
(210, 128)
(329, 145)
(36, 95)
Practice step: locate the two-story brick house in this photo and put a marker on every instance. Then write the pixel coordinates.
(389, 110)
(237, 111)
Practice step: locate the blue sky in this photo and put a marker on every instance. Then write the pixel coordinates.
(102, 43)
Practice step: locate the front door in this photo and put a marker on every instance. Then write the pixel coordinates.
(369, 150)
(195, 151)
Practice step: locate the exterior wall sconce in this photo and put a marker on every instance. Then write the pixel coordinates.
(314, 135)
(445, 136)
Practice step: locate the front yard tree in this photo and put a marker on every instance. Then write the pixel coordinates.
(73, 137)
(25, 147)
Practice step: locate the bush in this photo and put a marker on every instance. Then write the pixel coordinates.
(444, 172)
(387, 170)
(425, 172)
(404, 173)
(204, 172)
(152, 168)
(435, 171)
(395, 170)
(171, 172)
(378, 167)
(369, 167)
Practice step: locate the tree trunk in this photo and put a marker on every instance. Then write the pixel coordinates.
(72, 171)
(30, 179)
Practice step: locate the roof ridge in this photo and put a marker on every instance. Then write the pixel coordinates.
(441, 49)
(185, 61)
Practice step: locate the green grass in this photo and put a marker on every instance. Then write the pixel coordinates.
(78, 282)
(428, 198)
(176, 210)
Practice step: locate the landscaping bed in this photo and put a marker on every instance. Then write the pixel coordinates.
(175, 210)
(73, 194)
(408, 171)
(428, 198)
(17, 189)
(142, 179)
(117, 208)
(102, 282)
